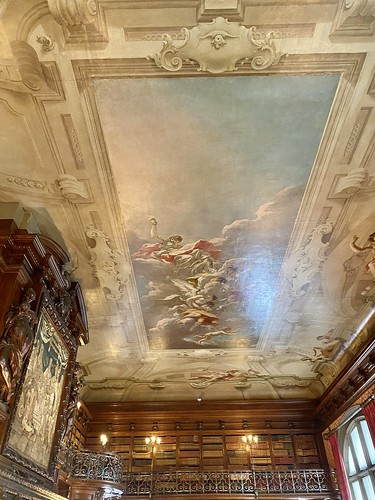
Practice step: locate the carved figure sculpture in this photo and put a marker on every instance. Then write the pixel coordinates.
(64, 298)
(16, 344)
(370, 245)
(77, 383)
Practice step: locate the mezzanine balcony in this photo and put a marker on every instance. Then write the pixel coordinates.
(107, 468)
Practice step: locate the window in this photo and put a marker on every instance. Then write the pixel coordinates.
(359, 460)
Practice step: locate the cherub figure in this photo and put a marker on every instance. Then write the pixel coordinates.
(370, 245)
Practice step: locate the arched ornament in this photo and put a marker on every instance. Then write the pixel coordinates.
(217, 47)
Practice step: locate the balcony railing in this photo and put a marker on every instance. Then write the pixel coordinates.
(98, 466)
(242, 482)
(108, 467)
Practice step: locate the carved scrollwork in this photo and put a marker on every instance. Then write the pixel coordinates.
(71, 188)
(157, 385)
(111, 384)
(288, 382)
(28, 64)
(328, 371)
(201, 354)
(46, 42)
(109, 266)
(73, 12)
(347, 185)
(363, 8)
(9, 73)
(355, 18)
(308, 260)
(263, 44)
(217, 47)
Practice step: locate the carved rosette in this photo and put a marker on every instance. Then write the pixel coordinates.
(217, 47)
(73, 12)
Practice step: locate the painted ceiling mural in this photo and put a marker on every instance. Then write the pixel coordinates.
(212, 181)
(211, 174)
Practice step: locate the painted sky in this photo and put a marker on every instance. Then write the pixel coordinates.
(226, 144)
(222, 159)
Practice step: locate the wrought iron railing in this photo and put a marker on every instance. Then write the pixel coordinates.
(109, 467)
(98, 466)
(202, 482)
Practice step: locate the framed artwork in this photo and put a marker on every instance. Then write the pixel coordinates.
(32, 433)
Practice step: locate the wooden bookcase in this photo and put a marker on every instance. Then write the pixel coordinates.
(306, 451)
(237, 458)
(261, 456)
(188, 453)
(77, 438)
(165, 456)
(283, 451)
(122, 445)
(141, 457)
(208, 437)
(215, 451)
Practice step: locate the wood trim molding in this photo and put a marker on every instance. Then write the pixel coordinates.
(358, 377)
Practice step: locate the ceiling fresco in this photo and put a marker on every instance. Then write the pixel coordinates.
(221, 165)
(210, 170)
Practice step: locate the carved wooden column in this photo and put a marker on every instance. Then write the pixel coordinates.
(4, 419)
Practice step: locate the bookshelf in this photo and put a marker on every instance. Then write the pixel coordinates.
(77, 438)
(122, 446)
(283, 451)
(306, 451)
(78, 433)
(189, 455)
(141, 459)
(261, 457)
(202, 450)
(166, 454)
(237, 457)
(213, 452)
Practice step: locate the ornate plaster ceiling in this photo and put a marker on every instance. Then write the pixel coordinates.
(208, 185)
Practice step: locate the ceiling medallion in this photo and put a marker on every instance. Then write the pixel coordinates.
(217, 47)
